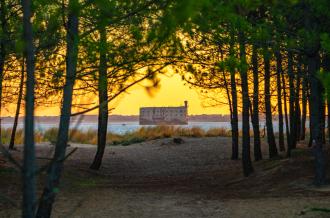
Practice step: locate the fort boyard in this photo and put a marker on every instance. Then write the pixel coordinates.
(164, 115)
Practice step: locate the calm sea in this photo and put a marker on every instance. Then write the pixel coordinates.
(123, 127)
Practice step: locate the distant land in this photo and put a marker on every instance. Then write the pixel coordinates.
(122, 118)
(128, 118)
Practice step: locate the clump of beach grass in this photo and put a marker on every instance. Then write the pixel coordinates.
(142, 134)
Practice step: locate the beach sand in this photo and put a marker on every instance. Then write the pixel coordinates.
(160, 178)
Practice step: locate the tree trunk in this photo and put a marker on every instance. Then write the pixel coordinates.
(323, 121)
(297, 101)
(29, 168)
(316, 118)
(235, 133)
(269, 120)
(293, 127)
(55, 169)
(279, 100)
(234, 120)
(304, 108)
(287, 128)
(18, 107)
(246, 157)
(255, 114)
(103, 97)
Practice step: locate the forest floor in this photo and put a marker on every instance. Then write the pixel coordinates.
(162, 179)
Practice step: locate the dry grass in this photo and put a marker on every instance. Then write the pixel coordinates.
(6, 135)
(139, 135)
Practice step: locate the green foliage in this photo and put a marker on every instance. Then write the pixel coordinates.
(325, 42)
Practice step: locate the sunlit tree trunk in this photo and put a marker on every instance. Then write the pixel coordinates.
(255, 114)
(103, 97)
(279, 100)
(304, 108)
(287, 127)
(55, 170)
(29, 168)
(18, 107)
(269, 120)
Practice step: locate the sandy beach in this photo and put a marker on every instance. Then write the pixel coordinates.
(160, 178)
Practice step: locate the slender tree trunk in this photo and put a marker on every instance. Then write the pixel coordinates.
(255, 114)
(298, 110)
(304, 108)
(287, 128)
(235, 133)
(279, 100)
(233, 117)
(310, 142)
(323, 110)
(29, 168)
(55, 169)
(234, 121)
(293, 128)
(103, 97)
(297, 100)
(246, 157)
(229, 104)
(269, 122)
(18, 107)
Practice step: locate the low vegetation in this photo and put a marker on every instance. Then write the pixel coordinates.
(140, 135)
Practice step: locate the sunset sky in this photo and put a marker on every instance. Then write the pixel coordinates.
(172, 92)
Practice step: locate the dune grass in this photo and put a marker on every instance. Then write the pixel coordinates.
(140, 135)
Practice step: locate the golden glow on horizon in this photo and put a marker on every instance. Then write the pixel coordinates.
(172, 92)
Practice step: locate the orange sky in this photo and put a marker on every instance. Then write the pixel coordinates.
(172, 92)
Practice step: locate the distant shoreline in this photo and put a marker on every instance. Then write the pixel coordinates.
(122, 118)
(128, 118)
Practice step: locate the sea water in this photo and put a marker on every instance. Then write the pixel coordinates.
(124, 127)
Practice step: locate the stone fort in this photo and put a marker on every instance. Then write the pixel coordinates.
(164, 115)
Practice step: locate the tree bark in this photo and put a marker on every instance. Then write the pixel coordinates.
(246, 157)
(287, 128)
(304, 108)
(255, 114)
(18, 107)
(316, 118)
(297, 100)
(103, 97)
(269, 120)
(279, 100)
(55, 169)
(234, 118)
(293, 127)
(29, 168)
